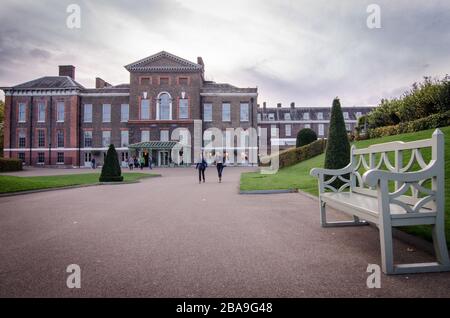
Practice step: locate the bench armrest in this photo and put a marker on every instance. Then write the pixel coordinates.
(316, 172)
(371, 177)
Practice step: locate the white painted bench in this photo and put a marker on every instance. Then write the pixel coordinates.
(374, 190)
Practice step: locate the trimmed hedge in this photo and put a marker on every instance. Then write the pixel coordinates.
(10, 165)
(293, 156)
(430, 122)
(305, 136)
(111, 171)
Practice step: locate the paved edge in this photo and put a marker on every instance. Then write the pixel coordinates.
(417, 242)
(13, 194)
(268, 191)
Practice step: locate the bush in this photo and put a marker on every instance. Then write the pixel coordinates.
(10, 165)
(337, 154)
(293, 156)
(305, 136)
(111, 171)
(430, 122)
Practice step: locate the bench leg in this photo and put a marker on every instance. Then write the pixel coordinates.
(323, 219)
(440, 245)
(387, 251)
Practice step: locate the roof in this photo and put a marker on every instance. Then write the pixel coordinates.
(164, 62)
(50, 82)
(213, 87)
(154, 145)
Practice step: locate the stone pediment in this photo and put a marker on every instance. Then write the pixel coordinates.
(163, 62)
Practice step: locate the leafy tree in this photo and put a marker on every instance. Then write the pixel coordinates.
(305, 136)
(111, 171)
(337, 153)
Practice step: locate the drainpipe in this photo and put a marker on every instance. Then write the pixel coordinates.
(79, 130)
(31, 127)
(50, 132)
(11, 109)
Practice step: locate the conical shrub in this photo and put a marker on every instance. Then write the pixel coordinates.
(111, 171)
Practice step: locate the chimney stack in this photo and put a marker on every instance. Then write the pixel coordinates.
(264, 105)
(67, 70)
(100, 83)
(279, 105)
(292, 105)
(200, 61)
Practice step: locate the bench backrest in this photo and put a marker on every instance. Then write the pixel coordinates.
(400, 157)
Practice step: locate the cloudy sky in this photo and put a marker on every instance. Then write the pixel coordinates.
(302, 51)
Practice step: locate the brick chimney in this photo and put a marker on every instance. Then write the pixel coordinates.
(67, 70)
(200, 61)
(264, 105)
(100, 83)
(292, 105)
(279, 105)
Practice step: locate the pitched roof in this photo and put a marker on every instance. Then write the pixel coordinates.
(50, 82)
(163, 62)
(213, 87)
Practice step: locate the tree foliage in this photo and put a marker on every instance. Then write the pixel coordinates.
(305, 136)
(111, 171)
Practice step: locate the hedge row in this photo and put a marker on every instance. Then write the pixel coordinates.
(293, 156)
(430, 122)
(10, 165)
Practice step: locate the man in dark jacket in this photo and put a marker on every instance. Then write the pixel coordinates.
(201, 167)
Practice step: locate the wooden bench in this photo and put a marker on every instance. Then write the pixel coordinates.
(373, 190)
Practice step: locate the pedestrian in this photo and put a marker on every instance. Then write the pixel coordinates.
(136, 162)
(141, 162)
(150, 162)
(219, 165)
(93, 163)
(201, 167)
(130, 163)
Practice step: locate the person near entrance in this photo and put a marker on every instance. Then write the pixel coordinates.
(219, 159)
(201, 167)
(141, 162)
(150, 161)
(93, 163)
(130, 163)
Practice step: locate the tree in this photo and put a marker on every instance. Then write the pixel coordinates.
(305, 136)
(111, 171)
(337, 153)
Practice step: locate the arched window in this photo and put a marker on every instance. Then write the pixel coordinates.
(164, 106)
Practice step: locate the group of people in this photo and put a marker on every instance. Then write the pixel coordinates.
(134, 162)
(201, 166)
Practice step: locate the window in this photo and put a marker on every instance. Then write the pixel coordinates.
(88, 139)
(145, 135)
(358, 114)
(226, 112)
(124, 156)
(305, 116)
(271, 116)
(287, 116)
(41, 112)
(106, 138)
(163, 81)
(258, 117)
(124, 112)
(22, 139)
(124, 141)
(41, 157)
(184, 109)
(106, 113)
(307, 126)
(244, 112)
(22, 112)
(183, 81)
(60, 108)
(145, 80)
(320, 116)
(164, 135)
(60, 158)
(345, 115)
(60, 139)
(41, 138)
(273, 131)
(165, 107)
(207, 112)
(348, 127)
(88, 113)
(145, 109)
(21, 156)
(288, 130)
(321, 130)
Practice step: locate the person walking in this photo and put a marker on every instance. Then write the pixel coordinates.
(93, 163)
(136, 162)
(201, 167)
(150, 162)
(219, 165)
(130, 163)
(141, 162)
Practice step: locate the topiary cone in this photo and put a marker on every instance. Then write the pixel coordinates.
(111, 171)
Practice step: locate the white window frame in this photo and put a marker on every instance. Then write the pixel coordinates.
(22, 134)
(22, 114)
(106, 134)
(321, 130)
(185, 108)
(273, 131)
(87, 116)
(226, 115)
(244, 106)
(60, 115)
(288, 130)
(41, 112)
(164, 135)
(306, 116)
(124, 113)
(57, 138)
(106, 113)
(271, 116)
(308, 126)
(207, 106)
(88, 133)
(145, 135)
(346, 115)
(319, 116)
(358, 114)
(124, 138)
(158, 106)
(145, 106)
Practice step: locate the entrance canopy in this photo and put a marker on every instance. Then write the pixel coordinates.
(154, 145)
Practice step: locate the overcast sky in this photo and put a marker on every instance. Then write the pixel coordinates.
(302, 51)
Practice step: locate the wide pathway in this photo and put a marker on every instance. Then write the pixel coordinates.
(173, 237)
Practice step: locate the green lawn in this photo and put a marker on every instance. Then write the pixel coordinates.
(297, 176)
(10, 184)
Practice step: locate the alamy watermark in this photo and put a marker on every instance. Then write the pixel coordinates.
(73, 20)
(74, 279)
(374, 279)
(374, 19)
